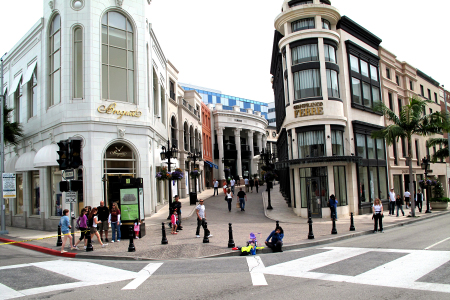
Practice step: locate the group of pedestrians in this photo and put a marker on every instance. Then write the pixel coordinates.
(396, 201)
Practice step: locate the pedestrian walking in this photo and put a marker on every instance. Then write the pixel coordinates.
(103, 215)
(137, 228)
(407, 196)
(201, 218)
(114, 219)
(229, 198)
(232, 184)
(256, 184)
(333, 207)
(93, 224)
(399, 203)
(64, 222)
(392, 202)
(252, 183)
(377, 209)
(173, 220)
(246, 184)
(419, 200)
(277, 240)
(242, 198)
(224, 187)
(83, 227)
(177, 205)
(216, 187)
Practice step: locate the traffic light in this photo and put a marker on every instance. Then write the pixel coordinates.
(63, 153)
(64, 186)
(75, 154)
(76, 185)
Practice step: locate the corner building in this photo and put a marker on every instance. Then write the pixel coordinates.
(326, 79)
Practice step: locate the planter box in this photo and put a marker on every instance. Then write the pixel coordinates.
(439, 205)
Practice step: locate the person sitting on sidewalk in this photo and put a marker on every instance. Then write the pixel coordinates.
(277, 240)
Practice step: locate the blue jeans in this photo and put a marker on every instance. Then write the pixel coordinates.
(114, 228)
(242, 202)
(216, 190)
(232, 189)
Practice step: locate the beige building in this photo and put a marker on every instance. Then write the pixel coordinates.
(400, 81)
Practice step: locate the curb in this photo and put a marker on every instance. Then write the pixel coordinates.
(39, 248)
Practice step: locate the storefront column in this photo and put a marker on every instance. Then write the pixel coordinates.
(221, 152)
(328, 145)
(259, 141)
(250, 143)
(264, 142)
(294, 145)
(237, 135)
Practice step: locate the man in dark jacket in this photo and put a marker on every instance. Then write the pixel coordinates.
(177, 205)
(103, 215)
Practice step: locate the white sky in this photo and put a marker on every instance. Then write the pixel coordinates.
(227, 45)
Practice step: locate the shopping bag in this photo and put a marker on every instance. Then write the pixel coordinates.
(238, 204)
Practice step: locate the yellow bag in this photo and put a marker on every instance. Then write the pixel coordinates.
(238, 204)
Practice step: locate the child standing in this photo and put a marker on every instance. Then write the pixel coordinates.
(174, 220)
(137, 228)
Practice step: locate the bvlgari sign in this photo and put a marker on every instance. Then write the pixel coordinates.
(111, 109)
(308, 109)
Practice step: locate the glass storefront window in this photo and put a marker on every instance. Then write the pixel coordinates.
(19, 193)
(311, 144)
(35, 193)
(320, 177)
(340, 186)
(56, 194)
(373, 183)
(363, 185)
(383, 183)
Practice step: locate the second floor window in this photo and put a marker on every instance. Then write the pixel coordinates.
(332, 83)
(305, 53)
(303, 24)
(307, 84)
(326, 24)
(330, 53)
(337, 142)
(311, 144)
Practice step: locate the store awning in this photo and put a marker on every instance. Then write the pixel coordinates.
(46, 156)
(15, 85)
(212, 165)
(10, 164)
(4, 89)
(29, 73)
(26, 162)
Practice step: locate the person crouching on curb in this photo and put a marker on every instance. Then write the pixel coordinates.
(65, 229)
(377, 214)
(277, 240)
(173, 220)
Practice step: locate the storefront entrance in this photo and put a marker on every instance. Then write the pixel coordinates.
(314, 189)
(313, 192)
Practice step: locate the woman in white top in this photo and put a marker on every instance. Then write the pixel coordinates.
(93, 221)
(229, 198)
(377, 209)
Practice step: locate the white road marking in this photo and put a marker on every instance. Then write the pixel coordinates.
(429, 247)
(143, 275)
(256, 268)
(9, 293)
(399, 273)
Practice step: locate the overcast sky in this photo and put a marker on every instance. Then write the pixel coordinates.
(227, 45)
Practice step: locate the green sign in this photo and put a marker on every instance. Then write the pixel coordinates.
(129, 196)
(129, 212)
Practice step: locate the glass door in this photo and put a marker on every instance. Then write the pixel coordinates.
(313, 194)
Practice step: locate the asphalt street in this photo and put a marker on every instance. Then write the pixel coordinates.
(403, 263)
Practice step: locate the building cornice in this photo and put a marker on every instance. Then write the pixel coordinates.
(309, 33)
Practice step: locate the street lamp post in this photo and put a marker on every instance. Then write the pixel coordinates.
(425, 164)
(267, 157)
(169, 153)
(196, 156)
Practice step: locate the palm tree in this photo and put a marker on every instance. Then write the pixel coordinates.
(440, 154)
(13, 130)
(411, 120)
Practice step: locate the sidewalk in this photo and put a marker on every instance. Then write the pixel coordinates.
(255, 219)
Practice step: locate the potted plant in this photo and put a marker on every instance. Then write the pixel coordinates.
(439, 201)
(163, 175)
(177, 174)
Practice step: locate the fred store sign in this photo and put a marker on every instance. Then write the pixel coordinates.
(308, 109)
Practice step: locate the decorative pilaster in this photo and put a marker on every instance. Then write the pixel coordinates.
(237, 136)
(250, 142)
(259, 141)
(219, 131)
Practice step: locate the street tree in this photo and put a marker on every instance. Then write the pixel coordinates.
(412, 120)
(13, 130)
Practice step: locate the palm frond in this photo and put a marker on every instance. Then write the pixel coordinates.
(440, 154)
(390, 134)
(389, 114)
(437, 141)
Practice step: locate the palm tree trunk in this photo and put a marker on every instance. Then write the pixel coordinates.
(411, 184)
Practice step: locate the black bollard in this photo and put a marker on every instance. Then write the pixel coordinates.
(131, 247)
(230, 237)
(205, 237)
(164, 240)
(59, 241)
(334, 231)
(310, 234)
(352, 225)
(89, 242)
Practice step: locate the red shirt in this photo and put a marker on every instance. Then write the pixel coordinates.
(114, 214)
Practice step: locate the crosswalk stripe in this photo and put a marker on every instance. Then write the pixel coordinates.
(143, 275)
(9, 293)
(256, 268)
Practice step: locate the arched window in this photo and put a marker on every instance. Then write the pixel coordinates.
(117, 58)
(55, 60)
(173, 128)
(78, 63)
(186, 137)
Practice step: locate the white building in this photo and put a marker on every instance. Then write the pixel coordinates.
(91, 70)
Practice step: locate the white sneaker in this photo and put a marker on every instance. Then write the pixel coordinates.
(210, 235)
(85, 247)
(197, 236)
(104, 245)
(118, 240)
(112, 241)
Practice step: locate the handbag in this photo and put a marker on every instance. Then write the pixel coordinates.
(226, 198)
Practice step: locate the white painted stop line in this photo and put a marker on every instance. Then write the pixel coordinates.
(143, 275)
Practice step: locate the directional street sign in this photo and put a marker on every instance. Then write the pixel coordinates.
(69, 174)
(71, 197)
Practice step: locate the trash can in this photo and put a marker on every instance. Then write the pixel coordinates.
(192, 198)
